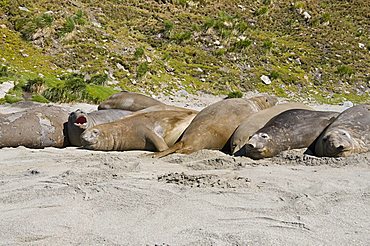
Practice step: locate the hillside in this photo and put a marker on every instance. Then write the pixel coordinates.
(85, 50)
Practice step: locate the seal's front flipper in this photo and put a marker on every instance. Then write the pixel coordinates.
(157, 141)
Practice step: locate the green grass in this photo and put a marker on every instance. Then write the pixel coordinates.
(196, 45)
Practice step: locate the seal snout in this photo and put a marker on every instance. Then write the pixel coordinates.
(250, 146)
(340, 148)
(89, 137)
(336, 143)
(256, 146)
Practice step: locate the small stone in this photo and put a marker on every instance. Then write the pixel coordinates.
(183, 93)
(34, 172)
(121, 67)
(361, 45)
(23, 9)
(217, 42)
(5, 88)
(241, 7)
(265, 79)
(306, 15)
(347, 104)
(3, 26)
(242, 38)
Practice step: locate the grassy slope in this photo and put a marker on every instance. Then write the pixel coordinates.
(215, 46)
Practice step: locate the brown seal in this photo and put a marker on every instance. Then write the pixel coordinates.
(154, 131)
(214, 125)
(130, 101)
(39, 127)
(255, 122)
(292, 129)
(79, 121)
(347, 135)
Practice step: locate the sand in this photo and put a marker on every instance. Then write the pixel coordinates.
(73, 196)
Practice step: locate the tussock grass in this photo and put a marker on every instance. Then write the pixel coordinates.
(165, 46)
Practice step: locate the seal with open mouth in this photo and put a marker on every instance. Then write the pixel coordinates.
(79, 121)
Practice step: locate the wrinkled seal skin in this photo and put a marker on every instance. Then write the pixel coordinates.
(292, 129)
(347, 135)
(255, 122)
(128, 101)
(79, 121)
(214, 125)
(154, 131)
(39, 127)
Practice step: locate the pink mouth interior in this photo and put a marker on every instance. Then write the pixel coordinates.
(81, 120)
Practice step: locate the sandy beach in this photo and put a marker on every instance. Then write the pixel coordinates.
(73, 196)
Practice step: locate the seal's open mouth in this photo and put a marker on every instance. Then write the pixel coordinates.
(81, 122)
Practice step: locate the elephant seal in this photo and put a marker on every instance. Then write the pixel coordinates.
(39, 127)
(79, 121)
(214, 125)
(347, 135)
(130, 101)
(162, 107)
(292, 129)
(255, 122)
(154, 131)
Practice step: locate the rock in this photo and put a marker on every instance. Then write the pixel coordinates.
(5, 88)
(361, 45)
(148, 59)
(306, 15)
(182, 93)
(241, 7)
(121, 67)
(347, 104)
(23, 9)
(265, 79)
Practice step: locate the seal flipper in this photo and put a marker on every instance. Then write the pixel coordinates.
(157, 141)
(168, 151)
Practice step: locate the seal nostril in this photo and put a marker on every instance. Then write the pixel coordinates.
(340, 147)
(250, 146)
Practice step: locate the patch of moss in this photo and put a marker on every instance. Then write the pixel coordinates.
(12, 99)
(98, 93)
(235, 94)
(39, 98)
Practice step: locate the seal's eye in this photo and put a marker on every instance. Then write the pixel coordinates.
(264, 135)
(344, 133)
